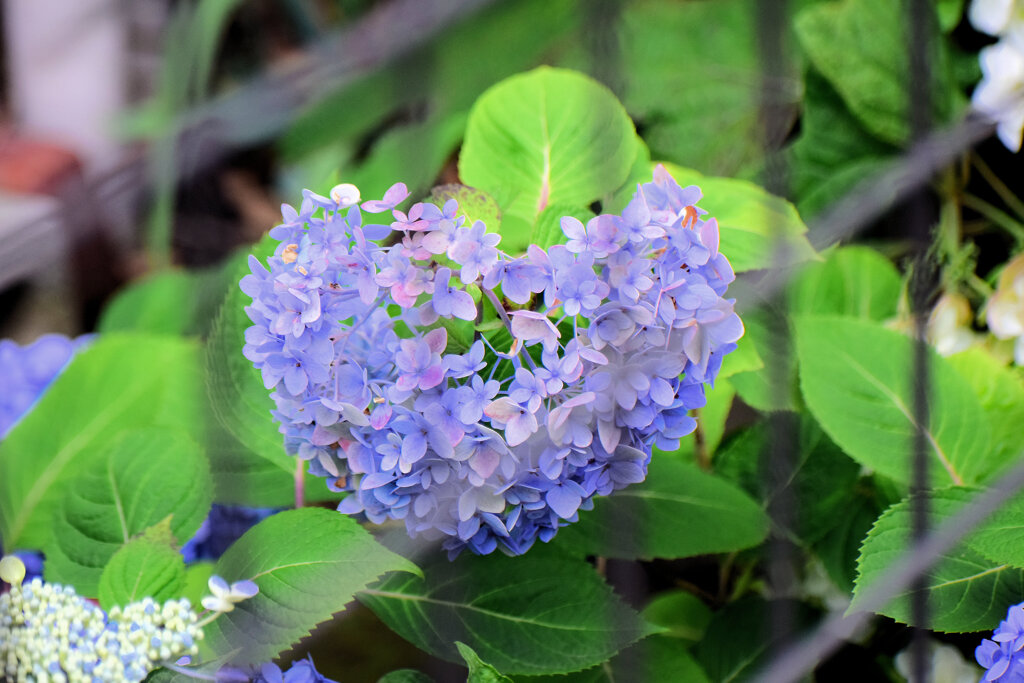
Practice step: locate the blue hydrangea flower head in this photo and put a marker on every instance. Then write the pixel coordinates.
(1003, 655)
(482, 397)
(29, 370)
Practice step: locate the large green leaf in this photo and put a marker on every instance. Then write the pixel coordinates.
(308, 563)
(655, 659)
(856, 380)
(839, 549)
(679, 511)
(142, 478)
(1001, 538)
(853, 281)
(558, 613)
(147, 566)
(740, 641)
(757, 386)
(549, 136)
(123, 381)
(965, 591)
(1001, 392)
(164, 303)
(695, 76)
(821, 481)
(860, 46)
(833, 152)
(753, 222)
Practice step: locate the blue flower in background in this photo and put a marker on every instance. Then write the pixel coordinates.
(1002, 656)
(223, 526)
(29, 370)
(580, 359)
(301, 671)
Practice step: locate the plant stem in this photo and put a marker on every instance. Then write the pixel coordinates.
(997, 216)
(1004, 192)
(300, 488)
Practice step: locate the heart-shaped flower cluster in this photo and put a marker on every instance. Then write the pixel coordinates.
(485, 397)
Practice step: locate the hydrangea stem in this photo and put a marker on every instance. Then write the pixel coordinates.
(300, 482)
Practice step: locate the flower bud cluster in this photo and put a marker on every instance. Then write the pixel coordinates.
(485, 397)
(999, 95)
(28, 371)
(49, 633)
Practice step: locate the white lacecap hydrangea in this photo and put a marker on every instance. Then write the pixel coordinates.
(50, 633)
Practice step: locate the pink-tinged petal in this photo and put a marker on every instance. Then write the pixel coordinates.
(564, 501)
(407, 382)
(709, 235)
(437, 339)
(573, 228)
(485, 461)
(520, 428)
(503, 410)
(431, 377)
(609, 434)
(380, 416)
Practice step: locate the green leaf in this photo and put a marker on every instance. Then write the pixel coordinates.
(197, 578)
(684, 614)
(1001, 393)
(130, 485)
(739, 640)
(821, 483)
(148, 566)
(547, 229)
(121, 382)
(479, 670)
(405, 676)
(474, 204)
(678, 511)
(548, 136)
(756, 387)
(833, 153)
(1000, 538)
(965, 591)
(653, 660)
(751, 221)
(860, 46)
(164, 303)
(853, 281)
(856, 380)
(308, 563)
(839, 549)
(558, 612)
(694, 76)
(413, 154)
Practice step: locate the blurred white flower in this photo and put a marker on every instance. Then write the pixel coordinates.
(1005, 312)
(996, 17)
(949, 325)
(1000, 94)
(947, 664)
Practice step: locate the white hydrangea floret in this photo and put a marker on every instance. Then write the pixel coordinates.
(49, 633)
(224, 597)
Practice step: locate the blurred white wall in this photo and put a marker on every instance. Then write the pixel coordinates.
(67, 63)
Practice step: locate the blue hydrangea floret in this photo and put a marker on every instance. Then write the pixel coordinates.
(1003, 655)
(485, 397)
